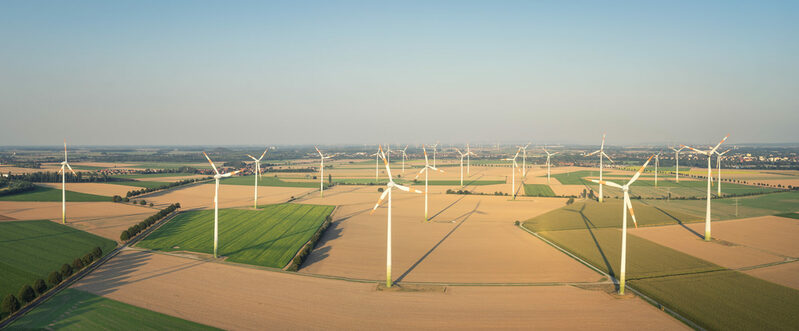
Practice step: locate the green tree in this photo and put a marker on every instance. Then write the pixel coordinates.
(54, 278)
(39, 286)
(26, 294)
(10, 304)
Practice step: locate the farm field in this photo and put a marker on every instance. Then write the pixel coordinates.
(663, 273)
(167, 165)
(45, 194)
(538, 190)
(138, 183)
(591, 214)
(33, 249)
(266, 181)
(78, 310)
(269, 236)
(156, 175)
(213, 293)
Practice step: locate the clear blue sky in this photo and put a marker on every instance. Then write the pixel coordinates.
(197, 72)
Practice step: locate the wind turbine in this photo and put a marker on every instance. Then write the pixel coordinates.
(602, 155)
(524, 158)
(217, 177)
(718, 164)
(322, 158)
(549, 155)
(462, 156)
(709, 154)
(257, 174)
(389, 187)
(627, 205)
(677, 159)
(468, 160)
(657, 163)
(64, 185)
(513, 173)
(434, 153)
(426, 171)
(403, 158)
(377, 159)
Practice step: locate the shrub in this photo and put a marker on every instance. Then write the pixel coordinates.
(151, 204)
(66, 270)
(26, 294)
(143, 202)
(126, 199)
(97, 252)
(516, 223)
(39, 286)
(124, 236)
(570, 201)
(10, 304)
(87, 259)
(77, 264)
(379, 189)
(54, 278)
(116, 198)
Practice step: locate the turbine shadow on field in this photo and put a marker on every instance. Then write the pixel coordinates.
(590, 226)
(447, 207)
(116, 273)
(680, 223)
(464, 216)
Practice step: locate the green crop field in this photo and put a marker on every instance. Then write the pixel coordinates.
(47, 194)
(538, 190)
(139, 183)
(33, 249)
(86, 167)
(726, 300)
(73, 309)
(266, 181)
(269, 236)
(711, 296)
(592, 214)
(168, 165)
(725, 208)
(456, 182)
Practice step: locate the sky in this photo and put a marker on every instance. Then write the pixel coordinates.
(351, 72)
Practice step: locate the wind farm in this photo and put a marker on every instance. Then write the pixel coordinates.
(394, 189)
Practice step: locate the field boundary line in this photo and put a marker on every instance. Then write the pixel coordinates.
(78, 275)
(319, 231)
(651, 301)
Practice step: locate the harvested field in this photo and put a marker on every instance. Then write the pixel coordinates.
(105, 219)
(208, 293)
(467, 240)
(786, 274)
(78, 310)
(591, 214)
(94, 188)
(202, 195)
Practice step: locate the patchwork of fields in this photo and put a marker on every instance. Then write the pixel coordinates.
(33, 249)
(269, 236)
(710, 295)
(538, 190)
(266, 181)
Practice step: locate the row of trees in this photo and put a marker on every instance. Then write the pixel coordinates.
(55, 177)
(138, 228)
(27, 293)
(8, 187)
(134, 193)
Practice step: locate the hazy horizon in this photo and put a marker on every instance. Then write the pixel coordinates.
(128, 73)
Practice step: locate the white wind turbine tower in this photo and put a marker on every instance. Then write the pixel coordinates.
(403, 158)
(524, 158)
(709, 154)
(549, 155)
(63, 173)
(434, 153)
(217, 177)
(257, 175)
(677, 159)
(627, 205)
(657, 163)
(322, 158)
(513, 173)
(468, 160)
(718, 165)
(602, 155)
(377, 159)
(389, 187)
(462, 156)
(426, 171)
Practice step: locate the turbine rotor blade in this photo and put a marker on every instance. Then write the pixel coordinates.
(694, 149)
(719, 144)
(592, 153)
(211, 162)
(604, 182)
(638, 174)
(630, 207)
(379, 201)
(70, 169)
(609, 159)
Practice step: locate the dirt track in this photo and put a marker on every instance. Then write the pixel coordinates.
(233, 297)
